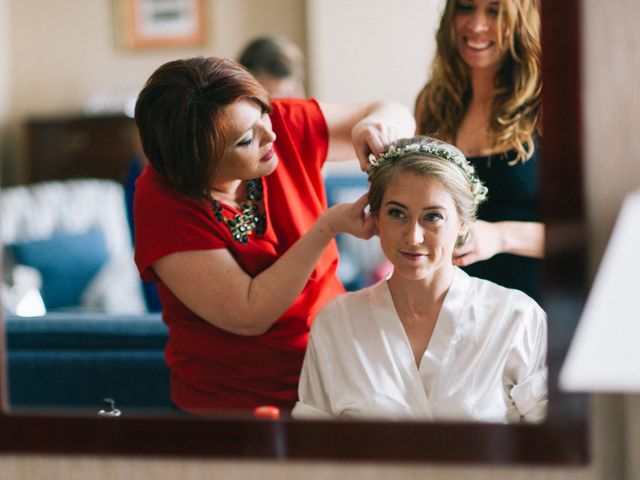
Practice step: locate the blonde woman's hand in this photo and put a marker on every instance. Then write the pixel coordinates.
(351, 218)
(484, 241)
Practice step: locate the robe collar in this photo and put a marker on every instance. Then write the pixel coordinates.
(445, 335)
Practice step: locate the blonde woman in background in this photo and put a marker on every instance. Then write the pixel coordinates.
(484, 97)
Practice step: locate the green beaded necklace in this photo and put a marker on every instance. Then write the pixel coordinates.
(249, 220)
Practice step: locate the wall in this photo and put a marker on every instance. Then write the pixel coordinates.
(36, 468)
(368, 49)
(4, 59)
(611, 144)
(612, 113)
(361, 50)
(62, 53)
(4, 78)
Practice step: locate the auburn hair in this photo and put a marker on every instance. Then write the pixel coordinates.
(179, 118)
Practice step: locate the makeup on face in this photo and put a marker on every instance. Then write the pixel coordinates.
(418, 225)
(477, 31)
(249, 152)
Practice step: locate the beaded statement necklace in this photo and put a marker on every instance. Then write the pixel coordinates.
(249, 220)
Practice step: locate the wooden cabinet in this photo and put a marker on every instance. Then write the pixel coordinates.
(80, 147)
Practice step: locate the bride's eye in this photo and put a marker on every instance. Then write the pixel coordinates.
(395, 213)
(433, 217)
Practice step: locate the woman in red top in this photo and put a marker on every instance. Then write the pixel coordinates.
(231, 221)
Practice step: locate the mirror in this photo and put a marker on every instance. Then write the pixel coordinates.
(561, 438)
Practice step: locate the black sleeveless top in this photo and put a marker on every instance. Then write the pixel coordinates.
(513, 195)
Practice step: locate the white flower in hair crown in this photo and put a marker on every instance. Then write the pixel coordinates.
(437, 149)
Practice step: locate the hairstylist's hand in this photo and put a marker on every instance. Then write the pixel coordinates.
(351, 218)
(372, 137)
(485, 241)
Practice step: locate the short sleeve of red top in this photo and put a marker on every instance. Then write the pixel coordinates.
(212, 368)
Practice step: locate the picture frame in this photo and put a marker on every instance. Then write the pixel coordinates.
(148, 24)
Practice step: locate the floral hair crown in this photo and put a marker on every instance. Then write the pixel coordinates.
(435, 148)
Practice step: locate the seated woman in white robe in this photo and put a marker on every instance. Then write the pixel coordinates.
(429, 342)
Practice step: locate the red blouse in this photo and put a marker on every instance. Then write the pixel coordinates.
(210, 367)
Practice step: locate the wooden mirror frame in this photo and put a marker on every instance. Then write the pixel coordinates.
(561, 439)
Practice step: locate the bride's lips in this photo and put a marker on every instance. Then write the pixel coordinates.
(268, 156)
(413, 255)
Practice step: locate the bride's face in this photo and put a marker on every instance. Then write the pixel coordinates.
(418, 225)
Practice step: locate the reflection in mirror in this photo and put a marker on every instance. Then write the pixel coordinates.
(100, 276)
(301, 437)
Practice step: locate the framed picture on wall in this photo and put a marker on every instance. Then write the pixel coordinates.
(159, 23)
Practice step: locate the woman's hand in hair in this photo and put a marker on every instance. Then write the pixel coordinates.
(484, 241)
(365, 128)
(384, 123)
(352, 218)
(372, 138)
(487, 239)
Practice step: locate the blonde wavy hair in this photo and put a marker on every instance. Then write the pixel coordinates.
(516, 111)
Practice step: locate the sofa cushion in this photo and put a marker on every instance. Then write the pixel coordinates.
(67, 263)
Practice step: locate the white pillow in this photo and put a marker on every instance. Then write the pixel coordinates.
(116, 289)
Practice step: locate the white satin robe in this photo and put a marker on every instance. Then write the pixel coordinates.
(486, 360)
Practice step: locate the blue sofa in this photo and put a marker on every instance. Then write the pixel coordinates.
(75, 359)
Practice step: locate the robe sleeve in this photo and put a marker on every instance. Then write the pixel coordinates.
(315, 380)
(529, 391)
